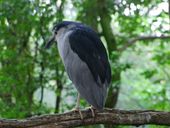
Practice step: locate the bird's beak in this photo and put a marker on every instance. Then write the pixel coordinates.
(50, 42)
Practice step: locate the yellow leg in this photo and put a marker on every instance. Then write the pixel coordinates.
(77, 107)
(78, 101)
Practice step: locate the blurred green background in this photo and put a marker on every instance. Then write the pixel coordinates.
(33, 80)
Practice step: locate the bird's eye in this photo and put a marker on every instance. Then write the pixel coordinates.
(55, 32)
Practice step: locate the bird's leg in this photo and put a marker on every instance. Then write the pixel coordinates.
(77, 107)
(92, 109)
(78, 101)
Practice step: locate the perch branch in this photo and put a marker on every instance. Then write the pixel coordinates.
(107, 116)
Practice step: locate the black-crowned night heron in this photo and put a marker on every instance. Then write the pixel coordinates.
(85, 60)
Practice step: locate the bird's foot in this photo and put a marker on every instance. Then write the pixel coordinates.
(92, 109)
(79, 111)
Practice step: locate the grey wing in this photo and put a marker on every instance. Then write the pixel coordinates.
(82, 78)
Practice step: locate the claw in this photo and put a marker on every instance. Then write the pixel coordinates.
(79, 111)
(92, 109)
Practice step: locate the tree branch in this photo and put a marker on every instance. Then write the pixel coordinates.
(107, 116)
(134, 40)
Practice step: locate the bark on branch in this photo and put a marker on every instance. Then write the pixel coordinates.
(134, 40)
(107, 116)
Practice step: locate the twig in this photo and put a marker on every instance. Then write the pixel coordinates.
(107, 116)
(134, 40)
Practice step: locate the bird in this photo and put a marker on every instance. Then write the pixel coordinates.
(85, 60)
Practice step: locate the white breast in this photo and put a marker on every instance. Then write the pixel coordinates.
(63, 44)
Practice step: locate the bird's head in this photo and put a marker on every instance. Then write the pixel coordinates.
(58, 30)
